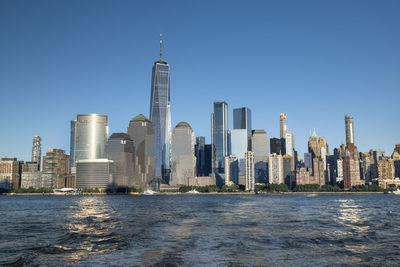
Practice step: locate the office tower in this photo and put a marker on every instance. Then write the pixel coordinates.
(141, 131)
(89, 136)
(200, 155)
(250, 181)
(55, 168)
(160, 115)
(307, 161)
(349, 129)
(31, 176)
(259, 145)
(94, 173)
(183, 161)
(351, 172)
(283, 124)
(239, 146)
(287, 161)
(242, 119)
(121, 151)
(289, 143)
(231, 170)
(275, 146)
(10, 173)
(219, 134)
(209, 159)
(36, 150)
(275, 169)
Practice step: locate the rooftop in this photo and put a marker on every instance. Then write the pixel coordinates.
(183, 124)
(140, 117)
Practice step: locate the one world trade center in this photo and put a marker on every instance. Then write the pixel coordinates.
(160, 115)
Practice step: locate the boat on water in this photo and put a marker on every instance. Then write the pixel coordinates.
(149, 192)
(311, 195)
(64, 191)
(396, 192)
(194, 191)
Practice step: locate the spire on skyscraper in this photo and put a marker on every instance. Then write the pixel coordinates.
(160, 47)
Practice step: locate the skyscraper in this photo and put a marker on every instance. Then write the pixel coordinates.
(141, 131)
(55, 168)
(349, 129)
(259, 145)
(219, 133)
(283, 124)
(200, 155)
(275, 169)
(160, 115)
(89, 136)
(275, 146)
(242, 119)
(183, 161)
(239, 144)
(250, 181)
(36, 150)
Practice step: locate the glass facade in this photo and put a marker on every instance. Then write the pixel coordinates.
(90, 133)
(242, 119)
(220, 134)
(160, 115)
(239, 147)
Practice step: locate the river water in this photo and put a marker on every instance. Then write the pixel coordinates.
(200, 230)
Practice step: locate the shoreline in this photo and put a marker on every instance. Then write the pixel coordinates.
(191, 194)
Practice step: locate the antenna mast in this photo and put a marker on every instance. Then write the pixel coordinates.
(160, 46)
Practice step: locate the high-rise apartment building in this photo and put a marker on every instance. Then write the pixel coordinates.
(55, 168)
(351, 172)
(141, 131)
(10, 173)
(160, 115)
(231, 170)
(219, 134)
(275, 169)
(88, 136)
(183, 161)
(250, 179)
(37, 150)
(349, 129)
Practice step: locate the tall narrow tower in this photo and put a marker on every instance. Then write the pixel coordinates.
(160, 115)
(219, 134)
(36, 150)
(283, 124)
(349, 129)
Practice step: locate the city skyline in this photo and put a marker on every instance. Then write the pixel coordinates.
(319, 99)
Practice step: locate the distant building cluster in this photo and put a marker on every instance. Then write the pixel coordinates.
(151, 155)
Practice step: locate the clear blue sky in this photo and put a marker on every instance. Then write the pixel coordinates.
(314, 60)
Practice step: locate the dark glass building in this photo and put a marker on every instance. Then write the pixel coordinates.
(242, 119)
(219, 133)
(200, 155)
(275, 146)
(209, 158)
(160, 115)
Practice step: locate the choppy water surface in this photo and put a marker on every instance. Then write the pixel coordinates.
(208, 230)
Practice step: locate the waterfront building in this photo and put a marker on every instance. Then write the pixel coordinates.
(121, 151)
(302, 176)
(160, 115)
(339, 167)
(231, 170)
(183, 160)
(94, 173)
(250, 181)
(141, 131)
(275, 146)
(202, 181)
(239, 146)
(10, 173)
(319, 171)
(199, 149)
(386, 168)
(219, 134)
(37, 150)
(275, 169)
(283, 125)
(351, 172)
(259, 145)
(55, 168)
(242, 119)
(396, 160)
(287, 168)
(31, 176)
(366, 166)
(88, 136)
(349, 129)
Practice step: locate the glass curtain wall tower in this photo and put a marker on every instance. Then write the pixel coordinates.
(160, 115)
(219, 134)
